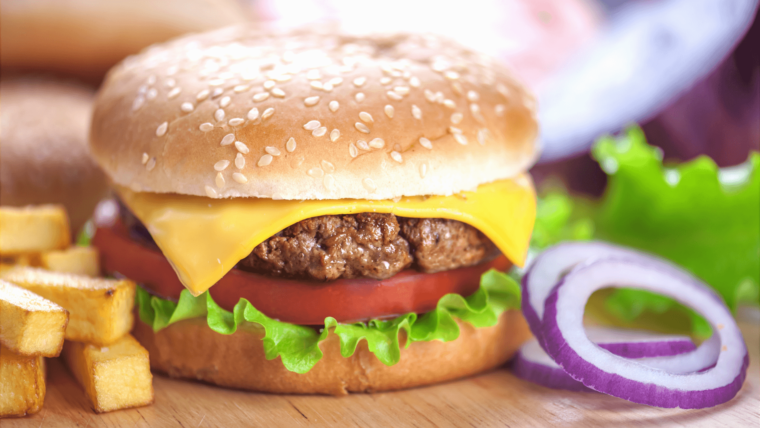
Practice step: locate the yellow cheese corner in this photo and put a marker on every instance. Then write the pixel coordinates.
(204, 238)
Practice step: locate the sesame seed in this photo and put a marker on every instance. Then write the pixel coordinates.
(267, 113)
(241, 147)
(283, 77)
(151, 164)
(210, 192)
(416, 112)
(261, 96)
(457, 88)
(312, 125)
(473, 96)
(414, 82)
(227, 140)
(423, 170)
(327, 166)
(366, 117)
(334, 105)
(219, 180)
(253, 114)
(202, 95)
(161, 130)
(369, 184)
(137, 103)
(461, 139)
(360, 81)
(439, 97)
(424, 142)
(170, 83)
(322, 130)
(221, 165)
(454, 130)
(449, 104)
(216, 82)
(401, 90)
(482, 136)
(311, 101)
(145, 158)
(269, 84)
(429, 95)
(173, 93)
(359, 97)
(377, 143)
(499, 109)
(186, 107)
(316, 172)
(336, 81)
(397, 156)
(152, 92)
(151, 79)
(451, 75)
(316, 84)
(240, 178)
(389, 110)
(313, 75)
(361, 127)
(239, 161)
(217, 92)
(327, 87)
(456, 118)
(329, 182)
(279, 93)
(385, 80)
(236, 121)
(394, 96)
(334, 135)
(241, 88)
(352, 150)
(290, 146)
(219, 115)
(224, 102)
(362, 145)
(274, 151)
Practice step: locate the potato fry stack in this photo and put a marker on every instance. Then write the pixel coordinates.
(51, 303)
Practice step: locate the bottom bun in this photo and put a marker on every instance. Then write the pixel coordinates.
(190, 349)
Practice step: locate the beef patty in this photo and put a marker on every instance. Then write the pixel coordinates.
(359, 245)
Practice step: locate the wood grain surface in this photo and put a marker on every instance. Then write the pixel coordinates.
(492, 399)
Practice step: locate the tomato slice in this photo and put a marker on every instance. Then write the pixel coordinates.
(294, 301)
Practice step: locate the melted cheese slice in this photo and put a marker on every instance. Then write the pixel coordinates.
(204, 238)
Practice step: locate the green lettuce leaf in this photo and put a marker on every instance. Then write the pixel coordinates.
(298, 346)
(695, 214)
(699, 216)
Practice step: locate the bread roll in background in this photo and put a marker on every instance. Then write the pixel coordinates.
(86, 37)
(44, 156)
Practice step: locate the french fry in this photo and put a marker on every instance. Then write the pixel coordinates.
(33, 229)
(22, 383)
(100, 310)
(29, 324)
(114, 377)
(77, 260)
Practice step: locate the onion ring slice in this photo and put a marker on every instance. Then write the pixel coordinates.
(566, 342)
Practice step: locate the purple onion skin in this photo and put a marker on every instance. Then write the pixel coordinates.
(549, 377)
(530, 315)
(621, 387)
(663, 348)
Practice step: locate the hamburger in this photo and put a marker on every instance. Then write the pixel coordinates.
(44, 155)
(317, 212)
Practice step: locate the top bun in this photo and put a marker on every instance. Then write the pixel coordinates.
(87, 37)
(311, 114)
(44, 158)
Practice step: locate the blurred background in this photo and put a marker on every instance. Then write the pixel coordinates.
(686, 71)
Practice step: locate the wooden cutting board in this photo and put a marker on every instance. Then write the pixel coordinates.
(492, 399)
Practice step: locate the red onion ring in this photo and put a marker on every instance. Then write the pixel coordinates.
(533, 364)
(566, 342)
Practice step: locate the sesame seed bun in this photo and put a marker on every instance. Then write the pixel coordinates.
(44, 157)
(190, 349)
(87, 37)
(311, 115)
